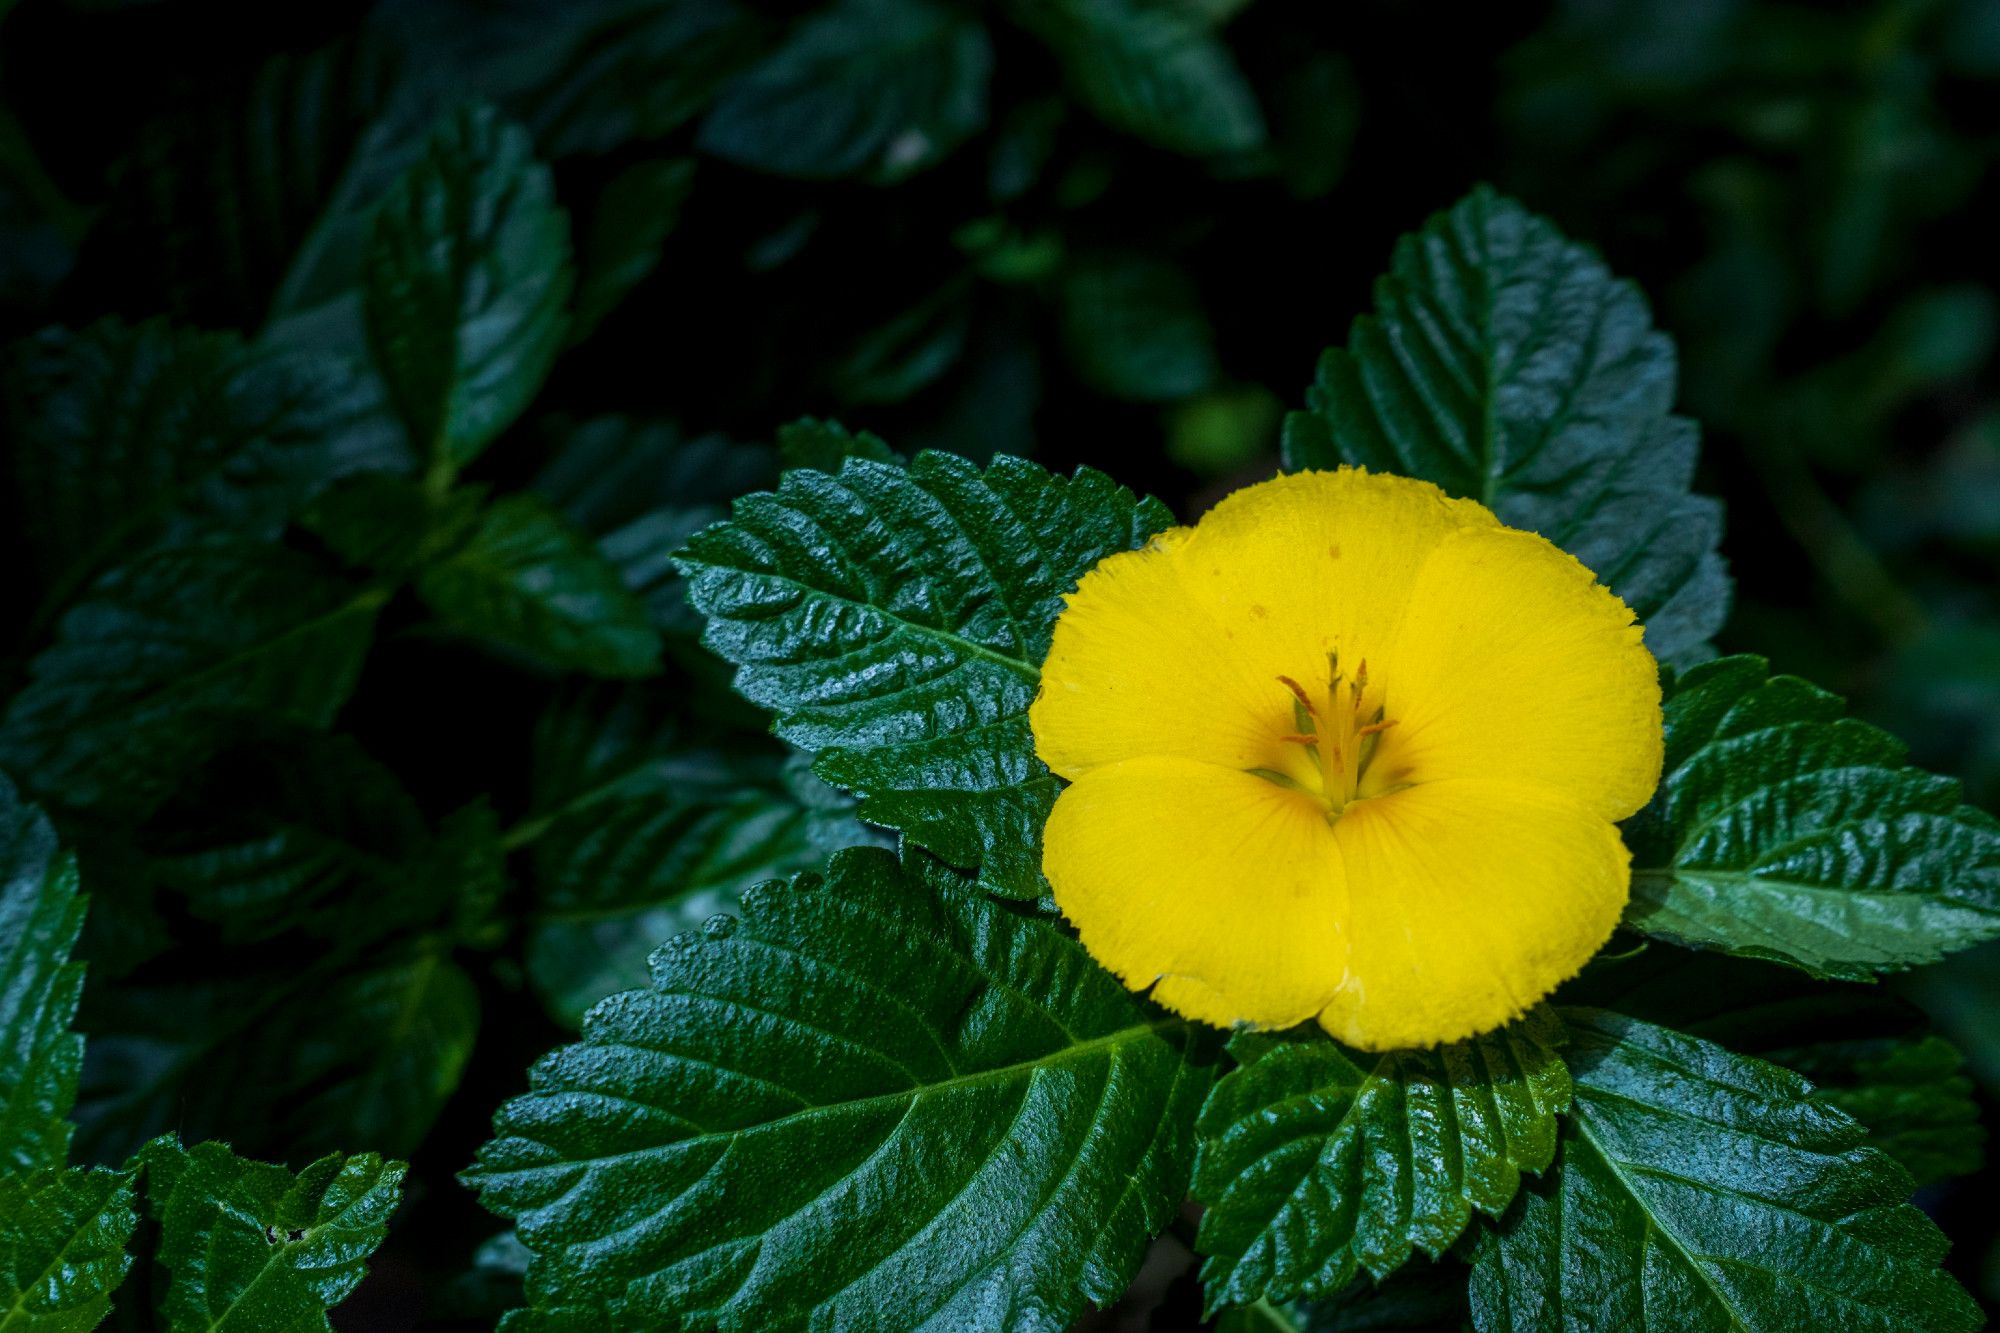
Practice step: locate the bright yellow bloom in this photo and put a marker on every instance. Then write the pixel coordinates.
(1346, 749)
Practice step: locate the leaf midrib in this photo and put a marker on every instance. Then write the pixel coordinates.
(1019, 666)
(917, 1091)
(1694, 1262)
(57, 1264)
(1671, 875)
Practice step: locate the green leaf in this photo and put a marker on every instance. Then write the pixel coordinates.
(875, 88)
(466, 282)
(641, 489)
(824, 445)
(164, 657)
(1505, 363)
(1914, 1098)
(297, 830)
(1153, 69)
(621, 245)
(1135, 327)
(253, 1245)
(528, 581)
(896, 621)
(633, 72)
(124, 435)
(41, 915)
(1869, 1052)
(907, 353)
(1782, 830)
(390, 525)
(638, 835)
(222, 202)
(1701, 1190)
(62, 1247)
(1314, 1166)
(881, 1100)
(383, 1069)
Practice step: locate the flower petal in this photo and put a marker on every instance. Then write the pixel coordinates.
(1515, 664)
(1270, 580)
(1467, 903)
(1222, 887)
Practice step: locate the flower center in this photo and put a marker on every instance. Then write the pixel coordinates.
(1337, 738)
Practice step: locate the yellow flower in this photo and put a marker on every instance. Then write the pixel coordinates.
(1346, 749)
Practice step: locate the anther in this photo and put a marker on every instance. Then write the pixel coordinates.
(1298, 692)
(1375, 727)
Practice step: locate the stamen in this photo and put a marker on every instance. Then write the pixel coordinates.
(1374, 728)
(1298, 692)
(1301, 738)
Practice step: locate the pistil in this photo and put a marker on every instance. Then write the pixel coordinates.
(1339, 739)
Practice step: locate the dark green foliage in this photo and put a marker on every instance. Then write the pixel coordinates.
(528, 581)
(246, 1242)
(166, 656)
(896, 620)
(1153, 69)
(63, 1233)
(40, 915)
(639, 833)
(1505, 363)
(127, 434)
(1702, 1190)
(466, 281)
(880, 1095)
(875, 88)
(366, 368)
(1783, 830)
(1316, 1162)
(1868, 1053)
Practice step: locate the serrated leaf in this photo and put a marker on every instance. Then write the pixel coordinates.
(292, 1057)
(254, 1245)
(218, 203)
(1505, 363)
(528, 581)
(124, 435)
(296, 830)
(635, 72)
(621, 245)
(1136, 329)
(640, 489)
(896, 621)
(1702, 1190)
(466, 281)
(1153, 69)
(40, 1058)
(1867, 1051)
(155, 665)
(824, 445)
(1314, 1166)
(405, 1029)
(391, 525)
(1782, 830)
(874, 88)
(62, 1247)
(881, 1099)
(638, 835)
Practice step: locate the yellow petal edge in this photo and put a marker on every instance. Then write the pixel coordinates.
(1347, 749)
